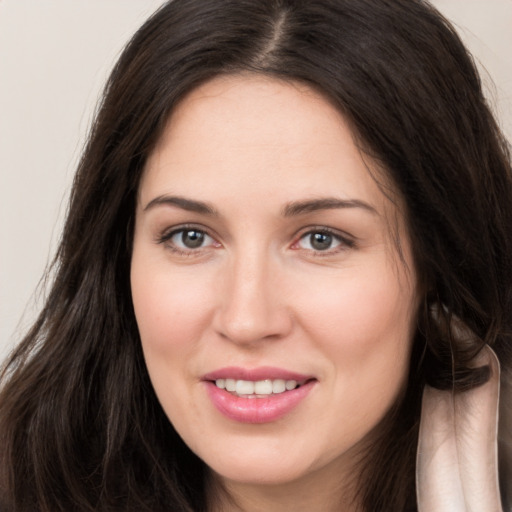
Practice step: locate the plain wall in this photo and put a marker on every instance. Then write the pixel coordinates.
(54, 58)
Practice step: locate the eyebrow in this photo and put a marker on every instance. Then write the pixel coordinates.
(327, 203)
(290, 210)
(190, 205)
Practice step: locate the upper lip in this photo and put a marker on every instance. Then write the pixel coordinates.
(255, 374)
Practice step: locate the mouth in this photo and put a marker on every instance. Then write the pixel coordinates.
(257, 389)
(259, 395)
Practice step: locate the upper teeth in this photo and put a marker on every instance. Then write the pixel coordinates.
(260, 387)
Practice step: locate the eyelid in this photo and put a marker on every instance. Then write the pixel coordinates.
(346, 240)
(165, 236)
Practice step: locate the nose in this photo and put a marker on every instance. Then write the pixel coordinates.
(252, 305)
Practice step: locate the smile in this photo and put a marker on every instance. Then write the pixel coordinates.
(256, 389)
(260, 395)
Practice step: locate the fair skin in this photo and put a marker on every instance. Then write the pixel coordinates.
(262, 241)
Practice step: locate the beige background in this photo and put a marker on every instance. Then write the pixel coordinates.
(54, 58)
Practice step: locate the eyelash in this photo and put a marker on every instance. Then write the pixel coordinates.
(345, 241)
(166, 237)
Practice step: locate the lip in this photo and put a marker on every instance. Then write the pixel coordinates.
(257, 410)
(255, 374)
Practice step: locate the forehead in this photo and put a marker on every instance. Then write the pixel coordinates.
(249, 134)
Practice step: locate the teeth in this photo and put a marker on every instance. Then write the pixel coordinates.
(279, 386)
(263, 387)
(244, 387)
(253, 389)
(291, 384)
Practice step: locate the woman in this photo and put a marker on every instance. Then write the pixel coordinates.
(290, 220)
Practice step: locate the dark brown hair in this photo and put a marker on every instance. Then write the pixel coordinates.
(80, 426)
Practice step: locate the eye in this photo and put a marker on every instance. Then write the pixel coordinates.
(190, 239)
(323, 240)
(187, 239)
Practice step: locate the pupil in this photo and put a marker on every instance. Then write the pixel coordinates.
(192, 239)
(321, 241)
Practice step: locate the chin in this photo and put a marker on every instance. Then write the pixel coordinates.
(264, 474)
(268, 464)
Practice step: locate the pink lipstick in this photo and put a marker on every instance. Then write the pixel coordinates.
(259, 395)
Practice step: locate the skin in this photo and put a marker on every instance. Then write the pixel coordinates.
(258, 292)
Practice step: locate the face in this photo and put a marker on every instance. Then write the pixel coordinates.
(274, 311)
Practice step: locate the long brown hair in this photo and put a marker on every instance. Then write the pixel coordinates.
(80, 426)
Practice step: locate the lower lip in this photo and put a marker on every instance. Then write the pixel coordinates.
(257, 410)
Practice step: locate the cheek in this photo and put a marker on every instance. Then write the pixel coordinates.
(171, 308)
(364, 327)
(360, 308)
(364, 323)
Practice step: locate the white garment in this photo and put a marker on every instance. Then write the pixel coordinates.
(457, 462)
